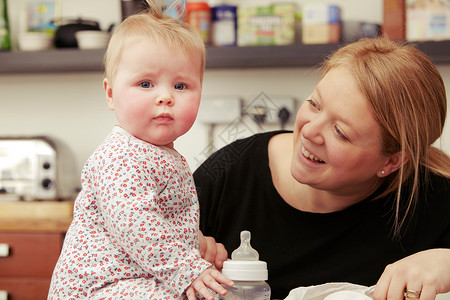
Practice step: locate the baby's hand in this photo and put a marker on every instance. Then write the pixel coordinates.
(210, 278)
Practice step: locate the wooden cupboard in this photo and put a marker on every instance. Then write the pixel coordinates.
(31, 239)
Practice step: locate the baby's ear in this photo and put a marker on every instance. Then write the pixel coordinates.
(108, 92)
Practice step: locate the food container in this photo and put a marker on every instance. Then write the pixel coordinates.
(5, 38)
(427, 20)
(266, 25)
(199, 16)
(35, 41)
(224, 25)
(321, 24)
(92, 39)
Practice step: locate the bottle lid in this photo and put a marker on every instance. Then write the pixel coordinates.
(245, 270)
(245, 264)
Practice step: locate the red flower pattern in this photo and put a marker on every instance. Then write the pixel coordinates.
(134, 234)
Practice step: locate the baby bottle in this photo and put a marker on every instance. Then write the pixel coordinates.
(247, 272)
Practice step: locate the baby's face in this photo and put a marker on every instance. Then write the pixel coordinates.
(156, 91)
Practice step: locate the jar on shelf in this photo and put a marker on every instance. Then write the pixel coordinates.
(224, 25)
(198, 14)
(5, 38)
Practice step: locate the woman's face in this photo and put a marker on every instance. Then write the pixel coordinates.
(337, 142)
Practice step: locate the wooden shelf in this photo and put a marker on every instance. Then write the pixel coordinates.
(74, 60)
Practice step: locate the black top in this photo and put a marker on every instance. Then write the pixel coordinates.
(354, 245)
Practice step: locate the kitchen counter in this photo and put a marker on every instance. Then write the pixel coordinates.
(31, 238)
(33, 216)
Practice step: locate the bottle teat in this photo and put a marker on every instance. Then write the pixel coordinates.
(245, 250)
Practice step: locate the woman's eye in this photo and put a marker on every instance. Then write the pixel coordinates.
(340, 134)
(312, 103)
(180, 86)
(145, 84)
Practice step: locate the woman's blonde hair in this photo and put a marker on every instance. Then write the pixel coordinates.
(408, 100)
(154, 24)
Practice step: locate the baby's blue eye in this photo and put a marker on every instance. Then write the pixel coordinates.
(179, 86)
(145, 84)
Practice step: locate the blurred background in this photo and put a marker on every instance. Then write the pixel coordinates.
(260, 66)
(70, 104)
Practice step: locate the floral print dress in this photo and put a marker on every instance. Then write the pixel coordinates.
(134, 233)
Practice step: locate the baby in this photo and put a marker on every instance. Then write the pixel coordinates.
(135, 231)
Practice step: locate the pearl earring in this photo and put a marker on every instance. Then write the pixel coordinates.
(382, 172)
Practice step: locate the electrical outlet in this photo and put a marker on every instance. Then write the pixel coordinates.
(268, 110)
(220, 110)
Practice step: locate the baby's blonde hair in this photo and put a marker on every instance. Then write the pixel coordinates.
(160, 28)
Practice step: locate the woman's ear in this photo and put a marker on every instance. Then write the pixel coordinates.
(109, 93)
(394, 162)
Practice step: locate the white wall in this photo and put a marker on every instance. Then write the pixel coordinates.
(72, 108)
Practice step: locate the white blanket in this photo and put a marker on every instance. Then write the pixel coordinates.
(332, 291)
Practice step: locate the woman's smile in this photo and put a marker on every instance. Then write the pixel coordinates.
(334, 148)
(311, 156)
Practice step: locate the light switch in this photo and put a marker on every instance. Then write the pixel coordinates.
(220, 110)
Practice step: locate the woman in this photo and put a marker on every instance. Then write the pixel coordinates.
(357, 193)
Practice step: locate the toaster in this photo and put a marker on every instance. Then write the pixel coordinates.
(37, 168)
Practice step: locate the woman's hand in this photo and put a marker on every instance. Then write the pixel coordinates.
(212, 252)
(210, 278)
(427, 272)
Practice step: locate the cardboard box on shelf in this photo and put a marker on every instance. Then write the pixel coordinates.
(266, 25)
(427, 20)
(321, 24)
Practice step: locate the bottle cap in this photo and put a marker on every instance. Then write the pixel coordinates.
(245, 270)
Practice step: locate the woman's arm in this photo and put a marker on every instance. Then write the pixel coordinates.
(427, 272)
(212, 252)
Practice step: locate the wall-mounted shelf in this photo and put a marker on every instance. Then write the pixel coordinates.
(67, 60)
(267, 56)
(74, 60)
